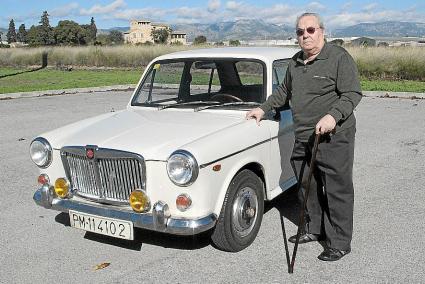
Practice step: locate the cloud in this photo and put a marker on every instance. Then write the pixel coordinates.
(349, 19)
(63, 11)
(316, 7)
(370, 7)
(99, 9)
(345, 7)
(233, 5)
(153, 14)
(213, 5)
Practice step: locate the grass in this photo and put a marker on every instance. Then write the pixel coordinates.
(381, 68)
(395, 63)
(48, 79)
(51, 79)
(88, 56)
(393, 86)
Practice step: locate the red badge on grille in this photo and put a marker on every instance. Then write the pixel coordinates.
(90, 153)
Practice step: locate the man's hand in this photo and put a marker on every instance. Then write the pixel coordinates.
(326, 124)
(256, 113)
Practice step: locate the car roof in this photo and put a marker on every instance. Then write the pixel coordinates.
(261, 53)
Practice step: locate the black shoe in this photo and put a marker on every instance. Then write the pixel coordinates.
(332, 254)
(304, 238)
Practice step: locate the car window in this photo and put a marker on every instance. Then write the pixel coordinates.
(161, 83)
(203, 80)
(203, 73)
(250, 73)
(279, 71)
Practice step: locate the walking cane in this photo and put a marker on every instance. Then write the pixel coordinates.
(301, 221)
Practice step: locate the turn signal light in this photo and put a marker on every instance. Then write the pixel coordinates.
(62, 187)
(139, 201)
(43, 179)
(183, 202)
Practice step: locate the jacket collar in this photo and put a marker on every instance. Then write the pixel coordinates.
(324, 54)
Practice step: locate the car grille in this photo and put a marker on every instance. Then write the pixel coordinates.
(109, 176)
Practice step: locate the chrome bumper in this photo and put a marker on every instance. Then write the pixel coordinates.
(159, 220)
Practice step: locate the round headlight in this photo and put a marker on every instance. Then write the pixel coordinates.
(41, 152)
(182, 168)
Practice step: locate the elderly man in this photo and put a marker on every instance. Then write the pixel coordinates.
(323, 89)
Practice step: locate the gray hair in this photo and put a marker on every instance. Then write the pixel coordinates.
(317, 16)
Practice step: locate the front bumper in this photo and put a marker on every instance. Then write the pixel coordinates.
(159, 220)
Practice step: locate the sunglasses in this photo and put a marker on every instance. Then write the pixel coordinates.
(310, 30)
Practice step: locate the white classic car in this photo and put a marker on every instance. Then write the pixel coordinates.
(181, 158)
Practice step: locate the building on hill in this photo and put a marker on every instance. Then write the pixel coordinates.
(141, 32)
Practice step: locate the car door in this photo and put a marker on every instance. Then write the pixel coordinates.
(282, 138)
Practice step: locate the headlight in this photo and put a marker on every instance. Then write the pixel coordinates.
(182, 168)
(41, 152)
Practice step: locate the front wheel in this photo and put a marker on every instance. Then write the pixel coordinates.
(242, 212)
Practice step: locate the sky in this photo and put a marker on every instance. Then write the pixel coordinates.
(117, 13)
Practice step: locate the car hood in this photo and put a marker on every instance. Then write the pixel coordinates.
(153, 133)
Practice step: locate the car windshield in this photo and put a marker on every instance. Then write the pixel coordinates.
(191, 83)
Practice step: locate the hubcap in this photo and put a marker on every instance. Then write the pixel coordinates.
(244, 213)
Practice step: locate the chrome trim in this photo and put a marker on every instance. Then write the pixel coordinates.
(160, 213)
(195, 168)
(109, 177)
(244, 211)
(237, 152)
(45, 194)
(177, 226)
(49, 149)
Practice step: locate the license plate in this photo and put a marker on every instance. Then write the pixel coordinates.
(102, 225)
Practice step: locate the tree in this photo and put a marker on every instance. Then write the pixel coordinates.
(200, 40)
(34, 36)
(22, 34)
(115, 37)
(93, 30)
(160, 35)
(69, 32)
(235, 42)
(46, 31)
(11, 33)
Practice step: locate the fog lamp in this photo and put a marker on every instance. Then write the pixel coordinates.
(62, 187)
(43, 179)
(139, 201)
(183, 202)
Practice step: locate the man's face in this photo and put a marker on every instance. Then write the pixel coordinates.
(311, 43)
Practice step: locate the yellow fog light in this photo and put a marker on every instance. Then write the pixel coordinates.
(139, 201)
(62, 187)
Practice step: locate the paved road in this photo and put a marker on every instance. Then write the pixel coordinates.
(37, 245)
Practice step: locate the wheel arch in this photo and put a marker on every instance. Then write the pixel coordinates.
(257, 169)
(253, 166)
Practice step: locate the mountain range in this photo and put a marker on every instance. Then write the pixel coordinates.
(252, 29)
(383, 29)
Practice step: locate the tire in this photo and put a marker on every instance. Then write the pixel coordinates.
(242, 212)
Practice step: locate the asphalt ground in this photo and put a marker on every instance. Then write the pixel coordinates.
(38, 245)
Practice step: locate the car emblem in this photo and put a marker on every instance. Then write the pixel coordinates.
(89, 153)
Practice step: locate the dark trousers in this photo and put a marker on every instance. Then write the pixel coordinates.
(331, 197)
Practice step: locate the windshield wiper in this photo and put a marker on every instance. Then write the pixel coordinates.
(228, 104)
(187, 103)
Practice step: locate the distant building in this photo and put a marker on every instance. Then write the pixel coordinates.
(141, 32)
(178, 37)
